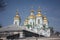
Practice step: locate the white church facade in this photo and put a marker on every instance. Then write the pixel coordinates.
(37, 23)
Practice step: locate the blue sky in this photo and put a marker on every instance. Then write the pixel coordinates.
(50, 8)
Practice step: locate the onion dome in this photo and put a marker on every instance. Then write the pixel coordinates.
(45, 19)
(39, 13)
(17, 16)
(26, 21)
(32, 16)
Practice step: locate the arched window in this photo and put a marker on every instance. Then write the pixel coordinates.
(30, 23)
(15, 23)
(38, 21)
(33, 23)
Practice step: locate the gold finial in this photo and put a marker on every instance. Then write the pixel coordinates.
(39, 9)
(45, 13)
(32, 14)
(32, 9)
(39, 12)
(45, 18)
(17, 15)
(16, 11)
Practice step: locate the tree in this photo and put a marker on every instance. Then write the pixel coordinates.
(51, 30)
(57, 33)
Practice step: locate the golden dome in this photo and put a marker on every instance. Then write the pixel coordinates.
(45, 19)
(39, 14)
(32, 16)
(17, 16)
(26, 20)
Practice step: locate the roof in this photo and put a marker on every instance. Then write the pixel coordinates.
(11, 28)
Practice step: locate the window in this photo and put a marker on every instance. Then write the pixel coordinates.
(15, 23)
(33, 23)
(38, 21)
(30, 23)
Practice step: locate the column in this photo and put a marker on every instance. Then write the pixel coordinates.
(21, 34)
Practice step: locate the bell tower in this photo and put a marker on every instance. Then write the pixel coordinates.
(39, 20)
(17, 19)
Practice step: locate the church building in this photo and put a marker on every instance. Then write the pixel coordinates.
(38, 23)
(34, 25)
